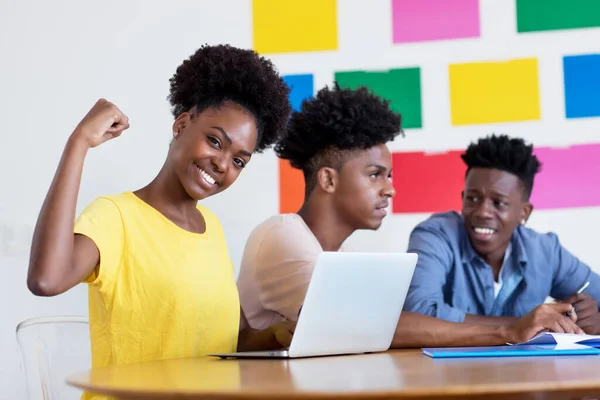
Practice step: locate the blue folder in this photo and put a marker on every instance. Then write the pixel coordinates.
(511, 351)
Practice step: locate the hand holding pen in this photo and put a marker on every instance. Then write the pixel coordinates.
(586, 308)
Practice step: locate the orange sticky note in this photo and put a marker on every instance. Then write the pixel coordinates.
(291, 188)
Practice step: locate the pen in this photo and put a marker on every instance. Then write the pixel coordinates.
(583, 287)
(579, 291)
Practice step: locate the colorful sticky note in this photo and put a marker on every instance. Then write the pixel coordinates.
(294, 25)
(545, 15)
(301, 86)
(402, 87)
(291, 180)
(570, 177)
(427, 182)
(422, 20)
(291, 188)
(490, 92)
(582, 85)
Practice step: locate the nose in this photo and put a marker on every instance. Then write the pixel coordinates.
(484, 209)
(388, 189)
(219, 164)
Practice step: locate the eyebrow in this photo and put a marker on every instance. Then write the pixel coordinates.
(493, 192)
(223, 132)
(379, 166)
(228, 139)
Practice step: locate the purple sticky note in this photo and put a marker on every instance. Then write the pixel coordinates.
(423, 20)
(570, 177)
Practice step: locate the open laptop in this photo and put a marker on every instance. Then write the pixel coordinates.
(352, 305)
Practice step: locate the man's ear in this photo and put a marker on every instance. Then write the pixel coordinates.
(327, 179)
(526, 212)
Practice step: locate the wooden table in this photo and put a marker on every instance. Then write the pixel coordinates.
(404, 374)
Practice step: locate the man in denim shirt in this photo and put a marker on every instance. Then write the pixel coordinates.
(485, 266)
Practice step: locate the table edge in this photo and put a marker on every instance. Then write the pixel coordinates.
(572, 387)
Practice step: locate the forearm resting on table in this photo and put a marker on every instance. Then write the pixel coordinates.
(485, 320)
(416, 330)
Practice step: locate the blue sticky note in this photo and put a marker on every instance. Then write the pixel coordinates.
(582, 85)
(302, 87)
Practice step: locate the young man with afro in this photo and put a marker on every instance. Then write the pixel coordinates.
(485, 265)
(338, 139)
(160, 280)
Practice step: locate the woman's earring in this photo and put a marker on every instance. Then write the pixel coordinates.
(523, 222)
(175, 134)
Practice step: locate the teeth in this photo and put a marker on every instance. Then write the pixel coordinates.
(485, 231)
(206, 176)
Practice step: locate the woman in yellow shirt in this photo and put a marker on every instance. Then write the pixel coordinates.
(161, 283)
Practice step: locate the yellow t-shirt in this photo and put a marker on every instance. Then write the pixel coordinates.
(159, 292)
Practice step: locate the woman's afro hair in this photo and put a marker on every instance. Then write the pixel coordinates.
(216, 74)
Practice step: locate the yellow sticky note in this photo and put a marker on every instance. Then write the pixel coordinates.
(490, 92)
(286, 26)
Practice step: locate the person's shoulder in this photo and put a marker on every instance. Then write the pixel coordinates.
(108, 204)
(280, 224)
(450, 222)
(532, 238)
(281, 236)
(103, 220)
(120, 198)
(542, 248)
(280, 231)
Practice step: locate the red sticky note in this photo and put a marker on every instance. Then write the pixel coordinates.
(428, 183)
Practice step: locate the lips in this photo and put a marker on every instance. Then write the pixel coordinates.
(206, 178)
(483, 233)
(380, 208)
(383, 204)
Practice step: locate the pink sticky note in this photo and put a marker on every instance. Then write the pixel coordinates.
(570, 177)
(422, 20)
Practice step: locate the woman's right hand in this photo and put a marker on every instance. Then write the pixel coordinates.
(103, 122)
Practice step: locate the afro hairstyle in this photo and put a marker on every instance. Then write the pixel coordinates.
(216, 74)
(333, 124)
(506, 154)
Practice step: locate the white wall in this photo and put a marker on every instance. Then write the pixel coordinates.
(57, 58)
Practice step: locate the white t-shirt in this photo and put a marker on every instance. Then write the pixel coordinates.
(498, 285)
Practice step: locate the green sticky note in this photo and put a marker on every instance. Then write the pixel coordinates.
(546, 15)
(402, 87)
